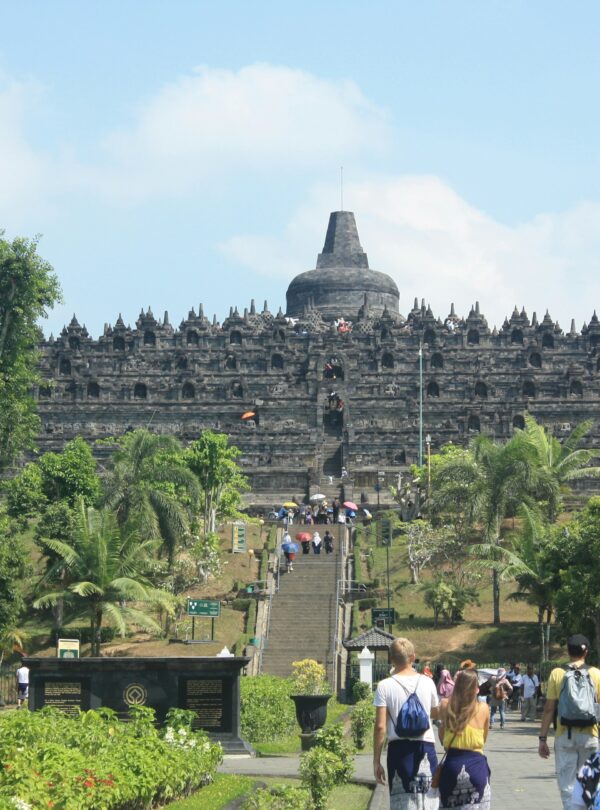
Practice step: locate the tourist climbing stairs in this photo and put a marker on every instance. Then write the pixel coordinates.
(303, 612)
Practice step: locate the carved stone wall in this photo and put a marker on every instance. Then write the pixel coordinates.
(323, 397)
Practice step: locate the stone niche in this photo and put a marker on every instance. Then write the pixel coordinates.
(208, 686)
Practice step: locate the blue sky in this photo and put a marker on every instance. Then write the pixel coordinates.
(172, 153)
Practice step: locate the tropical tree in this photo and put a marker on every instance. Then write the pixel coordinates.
(28, 288)
(149, 488)
(578, 597)
(106, 569)
(541, 549)
(483, 486)
(557, 462)
(213, 461)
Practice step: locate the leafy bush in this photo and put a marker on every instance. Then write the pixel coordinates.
(309, 678)
(266, 711)
(95, 761)
(241, 604)
(251, 618)
(321, 771)
(365, 604)
(361, 722)
(283, 797)
(361, 691)
(332, 739)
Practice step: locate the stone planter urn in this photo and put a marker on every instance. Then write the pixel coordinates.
(311, 714)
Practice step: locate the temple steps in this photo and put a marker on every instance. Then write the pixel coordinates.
(303, 612)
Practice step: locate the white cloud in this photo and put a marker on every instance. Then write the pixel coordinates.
(23, 171)
(215, 123)
(438, 247)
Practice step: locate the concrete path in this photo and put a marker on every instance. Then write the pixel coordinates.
(519, 777)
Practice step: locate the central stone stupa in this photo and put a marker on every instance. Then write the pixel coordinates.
(342, 278)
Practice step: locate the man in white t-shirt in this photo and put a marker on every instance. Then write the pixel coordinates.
(410, 761)
(22, 685)
(531, 685)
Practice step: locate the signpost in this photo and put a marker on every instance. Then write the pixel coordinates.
(383, 616)
(238, 537)
(206, 608)
(68, 648)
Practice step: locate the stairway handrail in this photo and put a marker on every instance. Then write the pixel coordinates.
(341, 579)
(272, 588)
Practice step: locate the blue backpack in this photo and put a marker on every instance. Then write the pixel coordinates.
(412, 720)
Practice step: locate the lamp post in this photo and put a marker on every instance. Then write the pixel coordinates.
(420, 404)
(428, 443)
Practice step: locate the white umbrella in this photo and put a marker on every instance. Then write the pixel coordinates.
(317, 497)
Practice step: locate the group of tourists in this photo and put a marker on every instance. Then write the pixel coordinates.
(409, 705)
(316, 543)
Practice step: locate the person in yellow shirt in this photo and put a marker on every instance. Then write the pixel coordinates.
(573, 743)
(465, 773)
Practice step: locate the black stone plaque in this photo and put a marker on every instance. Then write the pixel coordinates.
(209, 686)
(210, 698)
(67, 695)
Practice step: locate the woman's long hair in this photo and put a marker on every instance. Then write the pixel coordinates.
(463, 701)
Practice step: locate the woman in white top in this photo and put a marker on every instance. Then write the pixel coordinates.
(411, 762)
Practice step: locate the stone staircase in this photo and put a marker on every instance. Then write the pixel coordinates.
(304, 610)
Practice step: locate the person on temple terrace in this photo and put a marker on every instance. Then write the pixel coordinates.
(573, 744)
(411, 762)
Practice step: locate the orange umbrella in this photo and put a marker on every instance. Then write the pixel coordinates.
(248, 415)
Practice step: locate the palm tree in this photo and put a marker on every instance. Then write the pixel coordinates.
(106, 570)
(147, 487)
(557, 462)
(540, 583)
(487, 484)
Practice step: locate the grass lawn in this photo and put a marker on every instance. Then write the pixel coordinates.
(228, 787)
(224, 789)
(291, 745)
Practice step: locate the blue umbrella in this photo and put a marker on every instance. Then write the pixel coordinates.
(290, 547)
(350, 513)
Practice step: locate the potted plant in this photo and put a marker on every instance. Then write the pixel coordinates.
(310, 693)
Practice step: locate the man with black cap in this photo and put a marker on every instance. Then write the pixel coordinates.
(573, 694)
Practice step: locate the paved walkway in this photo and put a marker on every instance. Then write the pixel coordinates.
(519, 777)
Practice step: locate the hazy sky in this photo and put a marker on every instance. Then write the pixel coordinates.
(177, 152)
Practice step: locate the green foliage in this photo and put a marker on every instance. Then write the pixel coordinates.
(277, 798)
(220, 793)
(448, 598)
(359, 573)
(331, 738)
(213, 462)
(28, 288)
(361, 691)
(578, 598)
(14, 566)
(321, 770)
(101, 574)
(241, 604)
(148, 485)
(251, 617)
(309, 678)
(365, 604)
(95, 761)
(266, 711)
(284, 797)
(361, 722)
(55, 478)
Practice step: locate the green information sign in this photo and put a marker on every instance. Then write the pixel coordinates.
(386, 615)
(238, 537)
(204, 607)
